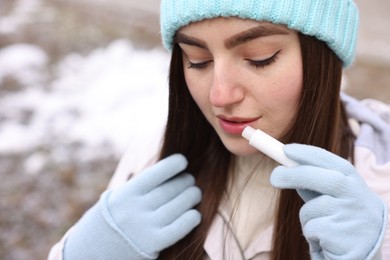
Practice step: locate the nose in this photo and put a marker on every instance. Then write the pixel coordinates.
(227, 88)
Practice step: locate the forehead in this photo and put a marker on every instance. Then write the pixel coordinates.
(232, 32)
(232, 24)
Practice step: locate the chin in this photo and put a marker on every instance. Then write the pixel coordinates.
(239, 147)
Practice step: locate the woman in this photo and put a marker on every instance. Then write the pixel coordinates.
(272, 65)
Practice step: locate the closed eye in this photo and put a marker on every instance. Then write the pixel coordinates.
(265, 62)
(198, 65)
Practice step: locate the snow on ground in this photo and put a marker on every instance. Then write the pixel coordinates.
(66, 118)
(22, 12)
(108, 96)
(24, 62)
(63, 128)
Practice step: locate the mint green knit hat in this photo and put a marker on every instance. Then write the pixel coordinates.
(333, 21)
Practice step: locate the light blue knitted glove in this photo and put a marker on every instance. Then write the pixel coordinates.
(341, 218)
(149, 213)
(374, 132)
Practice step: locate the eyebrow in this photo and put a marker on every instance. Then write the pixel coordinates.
(235, 40)
(186, 39)
(254, 33)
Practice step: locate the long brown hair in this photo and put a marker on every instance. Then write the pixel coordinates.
(320, 121)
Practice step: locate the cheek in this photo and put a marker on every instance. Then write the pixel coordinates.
(292, 82)
(290, 93)
(283, 100)
(198, 90)
(290, 98)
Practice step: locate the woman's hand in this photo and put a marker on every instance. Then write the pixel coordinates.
(341, 218)
(149, 213)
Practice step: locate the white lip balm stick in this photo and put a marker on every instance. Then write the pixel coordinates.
(268, 145)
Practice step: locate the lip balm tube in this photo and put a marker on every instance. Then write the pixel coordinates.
(267, 145)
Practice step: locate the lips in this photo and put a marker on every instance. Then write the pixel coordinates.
(235, 125)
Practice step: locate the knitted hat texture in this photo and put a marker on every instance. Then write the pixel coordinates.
(333, 21)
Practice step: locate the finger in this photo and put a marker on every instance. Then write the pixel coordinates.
(181, 227)
(325, 231)
(325, 239)
(319, 207)
(316, 251)
(313, 230)
(312, 178)
(158, 173)
(362, 113)
(185, 201)
(315, 156)
(307, 195)
(169, 190)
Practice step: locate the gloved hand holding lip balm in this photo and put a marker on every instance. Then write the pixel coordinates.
(149, 213)
(341, 218)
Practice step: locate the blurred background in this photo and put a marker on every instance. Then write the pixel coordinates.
(81, 81)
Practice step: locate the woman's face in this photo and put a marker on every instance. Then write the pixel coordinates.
(242, 73)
